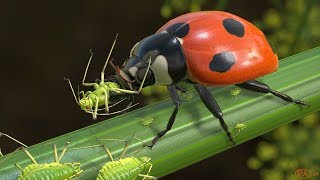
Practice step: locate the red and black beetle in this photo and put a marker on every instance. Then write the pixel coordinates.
(209, 48)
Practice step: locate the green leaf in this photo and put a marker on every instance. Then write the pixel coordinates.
(196, 134)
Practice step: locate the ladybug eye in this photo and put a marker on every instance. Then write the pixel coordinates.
(134, 49)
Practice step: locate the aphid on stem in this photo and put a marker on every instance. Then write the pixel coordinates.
(105, 94)
(146, 121)
(236, 92)
(123, 168)
(50, 171)
(239, 127)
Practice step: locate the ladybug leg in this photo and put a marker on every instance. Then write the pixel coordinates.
(175, 98)
(213, 107)
(181, 89)
(257, 86)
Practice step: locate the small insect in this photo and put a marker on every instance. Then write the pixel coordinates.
(107, 94)
(235, 92)
(187, 95)
(239, 127)
(147, 121)
(206, 48)
(124, 168)
(50, 171)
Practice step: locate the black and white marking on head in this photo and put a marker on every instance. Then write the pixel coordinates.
(179, 30)
(222, 62)
(271, 45)
(233, 27)
(161, 71)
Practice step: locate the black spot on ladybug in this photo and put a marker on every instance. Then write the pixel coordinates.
(233, 27)
(271, 45)
(222, 62)
(179, 30)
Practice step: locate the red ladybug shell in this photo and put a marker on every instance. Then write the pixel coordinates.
(222, 49)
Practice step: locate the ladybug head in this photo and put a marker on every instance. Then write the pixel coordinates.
(163, 53)
(140, 71)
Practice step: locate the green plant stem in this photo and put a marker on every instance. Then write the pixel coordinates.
(196, 134)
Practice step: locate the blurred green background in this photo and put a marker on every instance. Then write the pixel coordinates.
(43, 42)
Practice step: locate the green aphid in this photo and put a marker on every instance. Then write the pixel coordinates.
(50, 171)
(236, 92)
(147, 121)
(185, 93)
(188, 95)
(125, 168)
(239, 127)
(106, 94)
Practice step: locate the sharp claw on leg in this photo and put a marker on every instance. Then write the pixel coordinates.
(153, 142)
(300, 102)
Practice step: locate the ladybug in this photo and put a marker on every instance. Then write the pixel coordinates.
(208, 48)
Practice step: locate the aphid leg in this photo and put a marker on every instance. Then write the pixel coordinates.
(108, 152)
(257, 86)
(106, 99)
(142, 147)
(4, 159)
(85, 73)
(19, 167)
(116, 112)
(114, 104)
(87, 93)
(94, 146)
(3, 134)
(29, 155)
(74, 94)
(78, 90)
(81, 93)
(149, 170)
(77, 174)
(213, 107)
(147, 175)
(95, 112)
(175, 98)
(63, 151)
(105, 64)
(55, 153)
(125, 145)
(131, 98)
